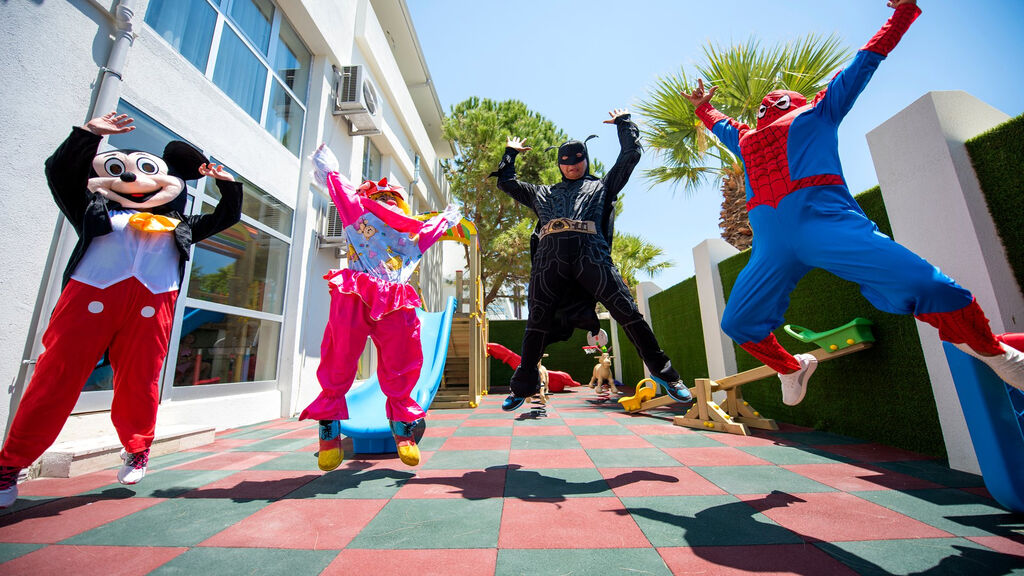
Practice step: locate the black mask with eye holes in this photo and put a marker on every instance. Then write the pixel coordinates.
(573, 152)
(143, 181)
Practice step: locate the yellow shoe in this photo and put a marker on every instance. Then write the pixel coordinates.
(331, 455)
(408, 451)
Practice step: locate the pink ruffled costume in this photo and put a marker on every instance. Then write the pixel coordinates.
(372, 298)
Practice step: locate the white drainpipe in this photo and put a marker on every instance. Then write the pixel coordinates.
(110, 85)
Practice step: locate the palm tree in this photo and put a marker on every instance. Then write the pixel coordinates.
(633, 254)
(743, 73)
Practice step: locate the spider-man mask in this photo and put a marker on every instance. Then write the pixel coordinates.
(778, 103)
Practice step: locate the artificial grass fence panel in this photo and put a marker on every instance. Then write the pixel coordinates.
(566, 356)
(675, 315)
(998, 159)
(882, 394)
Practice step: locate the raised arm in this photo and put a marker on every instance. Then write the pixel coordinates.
(629, 153)
(521, 192)
(67, 170)
(837, 99)
(726, 129)
(342, 192)
(228, 211)
(434, 228)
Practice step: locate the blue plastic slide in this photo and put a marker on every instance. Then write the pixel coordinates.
(367, 425)
(995, 414)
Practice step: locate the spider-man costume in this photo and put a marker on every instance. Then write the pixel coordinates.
(804, 217)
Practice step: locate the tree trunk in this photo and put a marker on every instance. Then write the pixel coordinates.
(733, 219)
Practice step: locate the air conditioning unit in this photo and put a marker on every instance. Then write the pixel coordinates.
(356, 99)
(331, 231)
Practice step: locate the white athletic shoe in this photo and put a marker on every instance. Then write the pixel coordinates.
(794, 385)
(1009, 366)
(134, 468)
(8, 485)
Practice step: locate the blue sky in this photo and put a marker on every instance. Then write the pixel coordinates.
(574, 61)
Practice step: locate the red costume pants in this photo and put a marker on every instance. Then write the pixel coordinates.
(135, 326)
(399, 358)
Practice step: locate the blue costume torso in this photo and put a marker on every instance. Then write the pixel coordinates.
(381, 251)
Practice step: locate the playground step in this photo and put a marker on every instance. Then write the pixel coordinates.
(77, 457)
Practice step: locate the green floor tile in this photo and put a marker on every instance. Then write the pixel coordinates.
(483, 431)
(951, 510)
(544, 442)
(247, 562)
(433, 523)
(816, 438)
(12, 551)
(276, 445)
(24, 502)
(583, 415)
(254, 434)
(177, 522)
(759, 480)
(624, 561)
(458, 411)
(175, 458)
(369, 483)
(630, 458)
(466, 459)
(430, 443)
(602, 430)
(683, 441)
(938, 556)
(547, 421)
(934, 472)
(704, 521)
(297, 461)
(783, 455)
(164, 483)
(556, 483)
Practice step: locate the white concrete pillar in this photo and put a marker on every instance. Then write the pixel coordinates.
(707, 255)
(937, 209)
(644, 291)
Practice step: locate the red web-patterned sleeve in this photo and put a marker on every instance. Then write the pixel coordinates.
(890, 34)
(728, 130)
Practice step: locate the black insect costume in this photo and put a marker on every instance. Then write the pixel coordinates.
(572, 265)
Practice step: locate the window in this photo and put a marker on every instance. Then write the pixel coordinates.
(249, 50)
(371, 161)
(231, 328)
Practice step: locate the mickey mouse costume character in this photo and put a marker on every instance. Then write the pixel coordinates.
(804, 217)
(119, 290)
(372, 298)
(572, 262)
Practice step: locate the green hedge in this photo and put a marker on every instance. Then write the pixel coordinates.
(882, 394)
(998, 159)
(632, 365)
(565, 356)
(676, 322)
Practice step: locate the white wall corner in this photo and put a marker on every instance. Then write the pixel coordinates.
(644, 291)
(937, 209)
(721, 355)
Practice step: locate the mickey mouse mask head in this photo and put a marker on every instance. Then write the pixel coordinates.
(144, 181)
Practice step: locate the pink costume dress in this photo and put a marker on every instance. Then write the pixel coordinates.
(372, 297)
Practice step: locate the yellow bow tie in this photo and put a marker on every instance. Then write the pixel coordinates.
(147, 222)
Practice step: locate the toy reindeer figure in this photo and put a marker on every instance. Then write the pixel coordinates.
(542, 395)
(601, 379)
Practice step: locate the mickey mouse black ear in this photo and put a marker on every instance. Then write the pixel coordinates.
(183, 160)
(589, 137)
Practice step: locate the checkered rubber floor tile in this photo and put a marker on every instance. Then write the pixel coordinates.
(573, 487)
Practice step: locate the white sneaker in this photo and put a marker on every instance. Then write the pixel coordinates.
(134, 468)
(8, 496)
(1009, 366)
(794, 385)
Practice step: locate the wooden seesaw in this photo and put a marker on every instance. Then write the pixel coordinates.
(736, 415)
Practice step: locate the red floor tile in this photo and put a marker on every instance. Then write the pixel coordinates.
(228, 461)
(570, 421)
(91, 561)
(541, 459)
(438, 431)
(294, 425)
(448, 562)
(64, 518)
(483, 410)
(435, 415)
(978, 491)
(255, 484)
(839, 517)
(541, 431)
(630, 441)
(785, 427)
(477, 443)
(626, 482)
(595, 522)
(488, 422)
(859, 477)
(60, 487)
(469, 484)
(724, 456)
(317, 524)
(312, 434)
(738, 441)
(1001, 544)
(222, 445)
(781, 559)
(653, 429)
(872, 453)
(313, 446)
